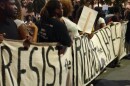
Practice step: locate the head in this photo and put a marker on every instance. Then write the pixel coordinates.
(24, 3)
(67, 7)
(8, 8)
(100, 12)
(53, 8)
(28, 18)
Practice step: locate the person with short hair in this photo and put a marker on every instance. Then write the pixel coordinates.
(8, 11)
(99, 21)
(21, 26)
(8, 28)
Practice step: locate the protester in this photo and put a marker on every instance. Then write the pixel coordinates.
(100, 21)
(30, 9)
(52, 29)
(67, 11)
(8, 10)
(117, 15)
(22, 28)
(8, 28)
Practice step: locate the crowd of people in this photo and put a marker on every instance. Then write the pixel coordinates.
(57, 21)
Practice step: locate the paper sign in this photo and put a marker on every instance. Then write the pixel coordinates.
(87, 19)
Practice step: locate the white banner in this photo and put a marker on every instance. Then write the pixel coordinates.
(41, 65)
(38, 66)
(92, 56)
(123, 48)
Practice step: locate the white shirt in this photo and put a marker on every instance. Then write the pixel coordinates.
(18, 22)
(100, 21)
(71, 26)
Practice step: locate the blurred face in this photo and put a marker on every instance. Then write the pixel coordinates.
(29, 18)
(59, 11)
(24, 2)
(10, 9)
(30, 1)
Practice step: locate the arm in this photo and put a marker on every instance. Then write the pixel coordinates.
(102, 25)
(23, 31)
(102, 22)
(35, 30)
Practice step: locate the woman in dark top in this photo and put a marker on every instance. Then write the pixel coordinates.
(8, 10)
(52, 29)
(8, 28)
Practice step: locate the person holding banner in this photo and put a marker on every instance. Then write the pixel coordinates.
(8, 28)
(52, 29)
(100, 21)
(22, 28)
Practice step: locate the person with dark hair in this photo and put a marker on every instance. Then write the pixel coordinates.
(100, 21)
(67, 11)
(8, 28)
(22, 28)
(52, 29)
(8, 11)
(117, 15)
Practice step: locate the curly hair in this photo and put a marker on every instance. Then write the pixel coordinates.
(49, 8)
(67, 7)
(18, 4)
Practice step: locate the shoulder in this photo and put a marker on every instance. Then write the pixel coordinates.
(11, 23)
(57, 23)
(18, 22)
(101, 20)
(68, 21)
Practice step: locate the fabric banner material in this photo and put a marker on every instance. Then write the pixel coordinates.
(38, 66)
(41, 65)
(92, 56)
